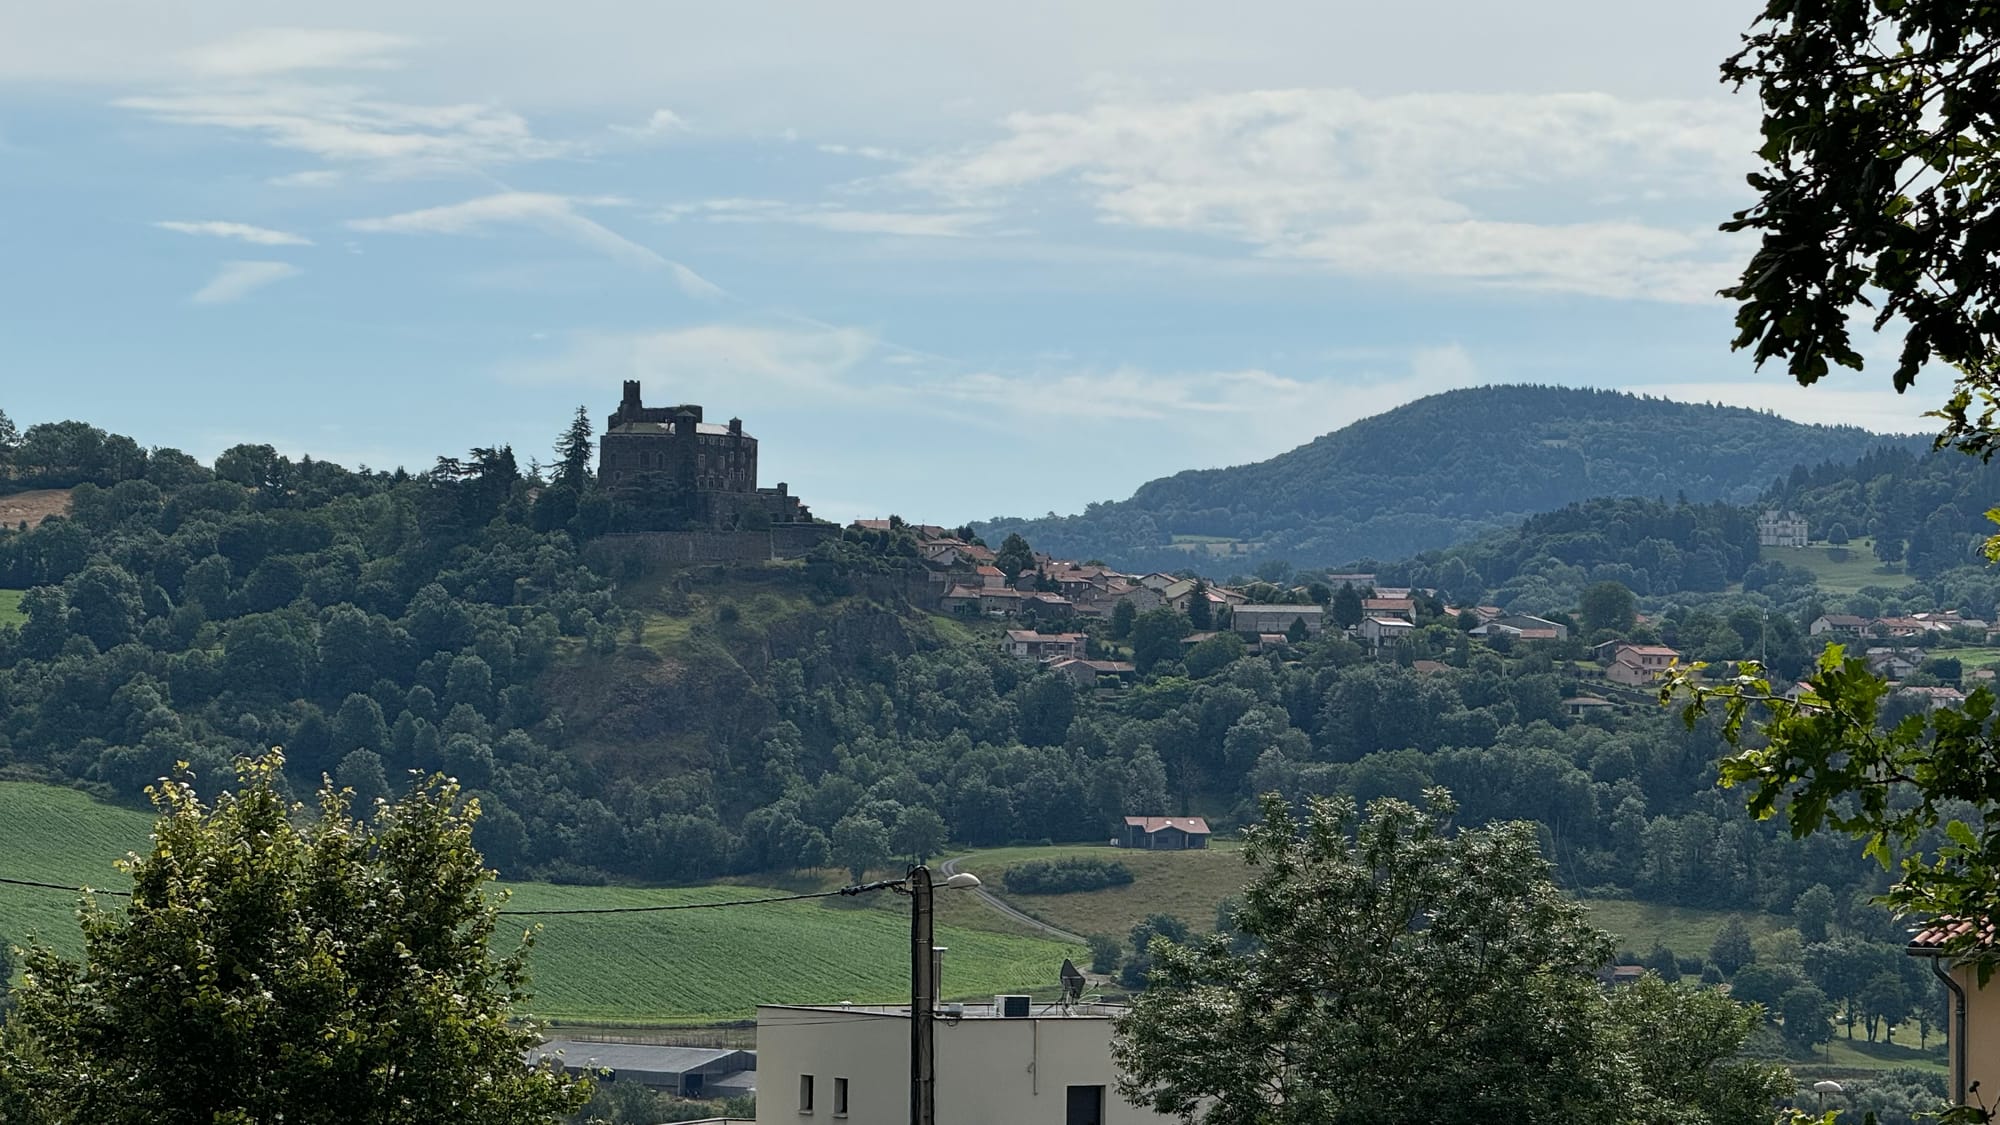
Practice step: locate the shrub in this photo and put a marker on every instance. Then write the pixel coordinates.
(1065, 876)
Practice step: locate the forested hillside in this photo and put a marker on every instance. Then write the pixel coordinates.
(622, 721)
(1927, 510)
(1442, 469)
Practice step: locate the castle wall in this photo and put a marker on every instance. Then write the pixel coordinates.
(682, 548)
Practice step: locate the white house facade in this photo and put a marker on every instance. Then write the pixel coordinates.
(851, 1064)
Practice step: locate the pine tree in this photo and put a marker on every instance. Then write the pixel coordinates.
(573, 452)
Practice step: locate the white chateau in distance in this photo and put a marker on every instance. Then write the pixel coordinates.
(1781, 529)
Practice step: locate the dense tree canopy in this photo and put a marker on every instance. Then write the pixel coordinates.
(269, 969)
(1879, 154)
(1402, 972)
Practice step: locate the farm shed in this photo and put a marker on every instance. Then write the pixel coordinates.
(687, 1071)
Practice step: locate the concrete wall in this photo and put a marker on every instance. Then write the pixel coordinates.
(1982, 1032)
(989, 1071)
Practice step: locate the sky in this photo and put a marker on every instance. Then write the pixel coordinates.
(944, 260)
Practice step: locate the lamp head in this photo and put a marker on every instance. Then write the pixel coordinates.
(962, 879)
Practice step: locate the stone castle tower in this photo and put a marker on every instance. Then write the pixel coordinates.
(701, 473)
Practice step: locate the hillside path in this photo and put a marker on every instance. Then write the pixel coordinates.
(992, 901)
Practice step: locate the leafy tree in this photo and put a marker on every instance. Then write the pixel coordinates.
(1885, 1002)
(1609, 606)
(1872, 192)
(1732, 949)
(1156, 636)
(1122, 616)
(1663, 964)
(10, 439)
(1013, 557)
(1903, 789)
(1165, 927)
(1463, 985)
(361, 771)
(1837, 535)
(270, 967)
(1765, 985)
(1201, 615)
(1812, 912)
(860, 843)
(1214, 654)
(1347, 606)
(1807, 1017)
(1104, 953)
(919, 834)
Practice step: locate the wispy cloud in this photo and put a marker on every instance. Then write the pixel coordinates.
(662, 123)
(1514, 190)
(902, 224)
(556, 214)
(279, 50)
(238, 279)
(742, 363)
(242, 232)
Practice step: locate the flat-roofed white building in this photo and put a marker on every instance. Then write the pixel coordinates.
(851, 1064)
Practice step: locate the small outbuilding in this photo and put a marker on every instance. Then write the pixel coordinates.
(1166, 833)
(690, 1072)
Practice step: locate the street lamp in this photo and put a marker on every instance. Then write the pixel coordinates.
(923, 981)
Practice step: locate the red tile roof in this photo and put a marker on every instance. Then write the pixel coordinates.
(1938, 934)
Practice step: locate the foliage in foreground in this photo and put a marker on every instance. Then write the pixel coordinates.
(272, 968)
(1397, 971)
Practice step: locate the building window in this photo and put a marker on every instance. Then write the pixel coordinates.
(1086, 1106)
(805, 1093)
(840, 1097)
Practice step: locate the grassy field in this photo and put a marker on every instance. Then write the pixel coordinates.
(10, 608)
(1858, 570)
(1187, 884)
(665, 968)
(1688, 932)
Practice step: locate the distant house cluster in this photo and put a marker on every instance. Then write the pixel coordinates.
(1780, 528)
(1845, 626)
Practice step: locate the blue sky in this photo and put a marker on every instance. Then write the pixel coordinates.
(948, 263)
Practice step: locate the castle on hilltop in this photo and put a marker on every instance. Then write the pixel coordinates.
(691, 473)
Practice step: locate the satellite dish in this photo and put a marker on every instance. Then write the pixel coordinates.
(1072, 981)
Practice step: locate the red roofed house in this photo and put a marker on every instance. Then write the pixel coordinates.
(991, 576)
(1166, 833)
(1972, 1027)
(1638, 665)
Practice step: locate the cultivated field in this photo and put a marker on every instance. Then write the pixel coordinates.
(662, 968)
(1189, 885)
(10, 608)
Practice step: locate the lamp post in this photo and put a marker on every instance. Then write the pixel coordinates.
(923, 982)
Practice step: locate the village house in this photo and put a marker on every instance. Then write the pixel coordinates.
(1379, 633)
(1894, 663)
(1522, 627)
(1972, 1028)
(1165, 833)
(1254, 619)
(1639, 665)
(1838, 624)
(1012, 1062)
(1094, 673)
(1405, 608)
(990, 576)
(1933, 698)
(1781, 529)
(1583, 706)
(1026, 644)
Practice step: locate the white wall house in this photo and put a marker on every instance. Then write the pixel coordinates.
(851, 1065)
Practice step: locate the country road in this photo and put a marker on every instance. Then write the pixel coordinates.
(950, 867)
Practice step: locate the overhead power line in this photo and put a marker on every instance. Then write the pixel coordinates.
(554, 911)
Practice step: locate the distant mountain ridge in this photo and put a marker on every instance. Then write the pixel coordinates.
(1441, 469)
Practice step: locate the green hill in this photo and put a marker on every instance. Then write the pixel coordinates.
(626, 969)
(1439, 470)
